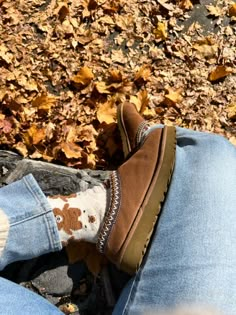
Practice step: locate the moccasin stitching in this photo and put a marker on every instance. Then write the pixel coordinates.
(112, 212)
(141, 128)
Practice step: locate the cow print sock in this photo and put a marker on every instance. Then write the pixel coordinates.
(80, 215)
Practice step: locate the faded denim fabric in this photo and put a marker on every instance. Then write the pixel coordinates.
(192, 256)
(16, 300)
(32, 232)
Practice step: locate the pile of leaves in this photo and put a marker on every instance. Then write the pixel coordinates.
(66, 65)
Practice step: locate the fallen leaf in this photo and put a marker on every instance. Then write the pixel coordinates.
(144, 100)
(84, 76)
(141, 102)
(214, 10)
(34, 135)
(27, 84)
(44, 102)
(160, 31)
(68, 308)
(5, 126)
(102, 87)
(233, 140)
(115, 76)
(118, 56)
(232, 10)
(21, 148)
(219, 72)
(143, 74)
(88, 253)
(166, 5)
(206, 47)
(71, 150)
(3, 93)
(231, 111)
(172, 97)
(185, 5)
(5, 54)
(86, 133)
(106, 112)
(62, 11)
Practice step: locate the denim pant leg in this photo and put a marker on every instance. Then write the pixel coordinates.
(27, 229)
(192, 256)
(15, 299)
(27, 225)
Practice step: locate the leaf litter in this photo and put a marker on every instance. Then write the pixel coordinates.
(66, 65)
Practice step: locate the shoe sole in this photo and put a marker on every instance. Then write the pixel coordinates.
(124, 136)
(139, 236)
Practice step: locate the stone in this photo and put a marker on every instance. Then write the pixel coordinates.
(54, 282)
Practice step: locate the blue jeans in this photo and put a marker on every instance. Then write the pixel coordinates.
(191, 259)
(31, 231)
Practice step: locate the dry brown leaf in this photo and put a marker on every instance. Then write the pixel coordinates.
(160, 31)
(102, 87)
(88, 253)
(3, 93)
(91, 160)
(44, 102)
(68, 308)
(118, 56)
(115, 76)
(219, 72)
(231, 111)
(233, 140)
(143, 74)
(206, 47)
(86, 133)
(71, 150)
(62, 11)
(84, 76)
(21, 148)
(5, 54)
(34, 135)
(141, 102)
(5, 126)
(111, 7)
(166, 5)
(232, 10)
(27, 84)
(106, 112)
(144, 100)
(172, 97)
(214, 10)
(185, 5)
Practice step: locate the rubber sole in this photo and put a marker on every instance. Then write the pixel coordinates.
(139, 236)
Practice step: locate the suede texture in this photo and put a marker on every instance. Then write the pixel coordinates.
(135, 176)
(129, 120)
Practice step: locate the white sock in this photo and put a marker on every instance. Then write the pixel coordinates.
(79, 216)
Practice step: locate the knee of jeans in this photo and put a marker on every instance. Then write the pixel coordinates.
(221, 152)
(222, 145)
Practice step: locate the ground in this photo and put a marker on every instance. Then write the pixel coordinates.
(66, 65)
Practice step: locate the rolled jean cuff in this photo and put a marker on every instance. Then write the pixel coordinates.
(29, 223)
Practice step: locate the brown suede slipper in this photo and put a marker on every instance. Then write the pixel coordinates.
(138, 188)
(131, 126)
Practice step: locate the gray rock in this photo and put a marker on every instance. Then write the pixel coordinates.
(53, 179)
(54, 282)
(200, 14)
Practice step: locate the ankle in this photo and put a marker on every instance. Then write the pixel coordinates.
(79, 216)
